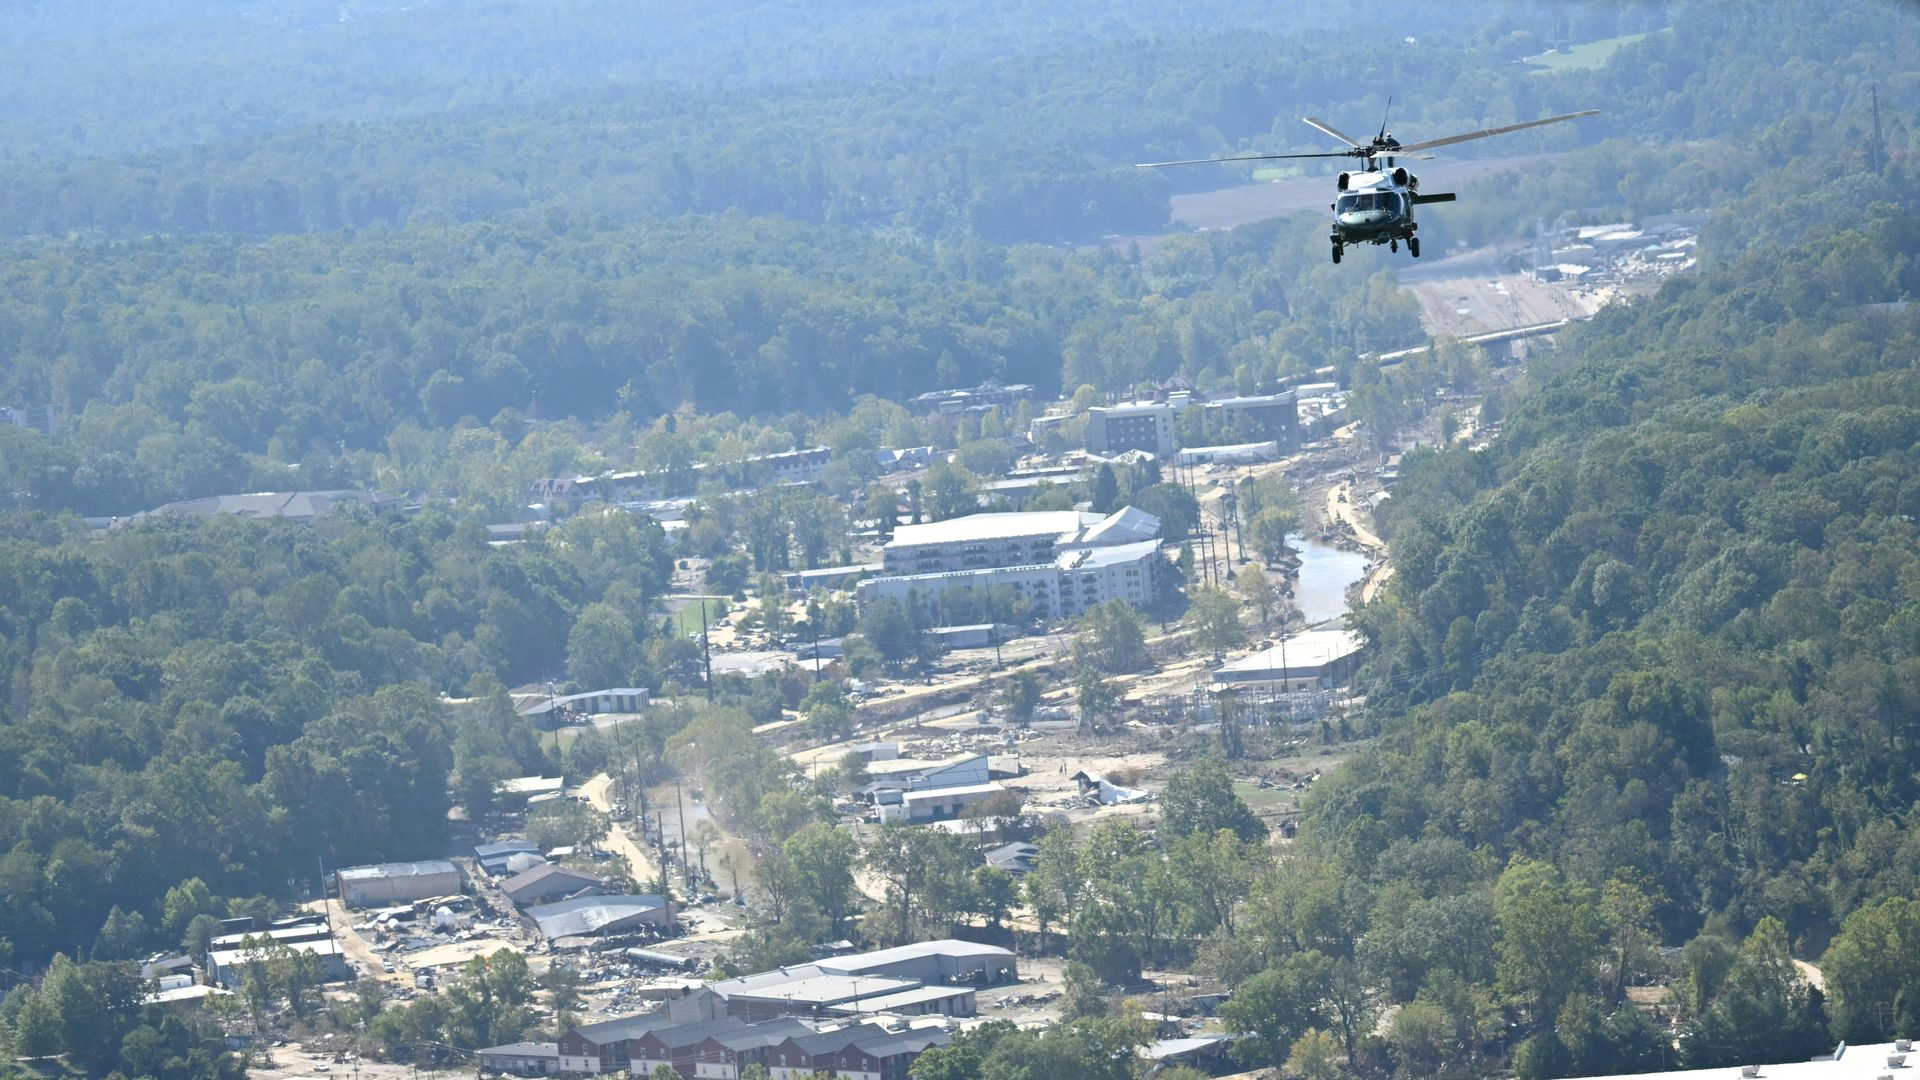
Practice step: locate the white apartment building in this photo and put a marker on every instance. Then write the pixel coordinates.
(1062, 561)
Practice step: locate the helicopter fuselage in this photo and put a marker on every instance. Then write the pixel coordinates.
(1372, 209)
(1376, 207)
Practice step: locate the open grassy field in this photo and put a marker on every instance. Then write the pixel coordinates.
(1267, 174)
(687, 615)
(1583, 57)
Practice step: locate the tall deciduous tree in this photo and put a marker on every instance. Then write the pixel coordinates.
(1872, 971)
(601, 649)
(1200, 800)
(1549, 936)
(1213, 618)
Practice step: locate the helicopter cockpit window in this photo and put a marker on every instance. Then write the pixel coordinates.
(1366, 202)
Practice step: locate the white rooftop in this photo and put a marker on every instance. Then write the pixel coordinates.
(1136, 408)
(1094, 558)
(1123, 526)
(830, 989)
(919, 995)
(1307, 650)
(897, 766)
(851, 965)
(1866, 1062)
(981, 527)
(423, 868)
(590, 914)
(220, 958)
(539, 785)
(938, 794)
(185, 993)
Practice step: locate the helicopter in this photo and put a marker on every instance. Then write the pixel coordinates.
(1375, 205)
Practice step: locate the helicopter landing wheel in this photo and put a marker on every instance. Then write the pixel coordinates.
(1393, 246)
(1413, 246)
(1336, 253)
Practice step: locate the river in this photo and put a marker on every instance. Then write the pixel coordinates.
(1326, 572)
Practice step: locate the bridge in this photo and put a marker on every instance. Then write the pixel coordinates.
(1491, 340)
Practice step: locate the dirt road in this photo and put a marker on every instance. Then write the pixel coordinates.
(357, 948)
(597, 792)
(1340, 508)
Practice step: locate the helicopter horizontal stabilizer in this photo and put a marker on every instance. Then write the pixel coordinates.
(1438, 196)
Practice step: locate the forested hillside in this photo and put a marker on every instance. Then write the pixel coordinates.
(224, 699)
(195, 366)
(1655, 651)
(904, 124)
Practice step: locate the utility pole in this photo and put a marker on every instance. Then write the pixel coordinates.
(706, 649)
(686, 864)
(321, 861)
(1876, 153)
(1240, 529)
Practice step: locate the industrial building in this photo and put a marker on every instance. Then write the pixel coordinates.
(1019, 858)
(495, 858)
(724, 1047)
(1061, 561)
(887, 778)
(304, 507)
(947, 961)
(973, 635)
(286, 935)
(528, 788)
(939, 804)
(594, 916)
(974, 399)
(932, 978)
(539, 884)
(865, 1016)
(1309, 660)
(1233, 454)
(387, 883)
(521, 1059)
(228, 967)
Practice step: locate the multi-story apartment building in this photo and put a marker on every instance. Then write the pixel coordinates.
(1061, 561)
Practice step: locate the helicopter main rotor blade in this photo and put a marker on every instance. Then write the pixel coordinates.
(1326, 128)
(1248, 157)
(1451, 139)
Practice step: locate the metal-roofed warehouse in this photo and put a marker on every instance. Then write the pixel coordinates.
(402, 881)
(1309, 660)
(585, 916)
(944, 961)
(545, 882)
